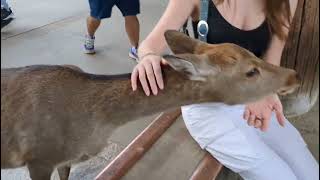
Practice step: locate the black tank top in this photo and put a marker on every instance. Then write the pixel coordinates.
(221, 31)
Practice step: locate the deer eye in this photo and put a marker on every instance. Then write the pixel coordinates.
(253, 72)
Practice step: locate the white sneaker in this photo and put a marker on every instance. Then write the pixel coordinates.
(133, 53)
(89, 45)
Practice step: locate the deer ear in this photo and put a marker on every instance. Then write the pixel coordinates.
(190, 65)
(180, 43)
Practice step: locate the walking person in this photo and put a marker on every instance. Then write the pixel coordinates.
(6, 14)
(102, 9)
(274, 149)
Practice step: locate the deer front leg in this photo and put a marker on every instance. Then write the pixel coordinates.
(64, 172)
(40, 171)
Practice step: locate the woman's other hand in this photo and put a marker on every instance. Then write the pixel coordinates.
(258, 114)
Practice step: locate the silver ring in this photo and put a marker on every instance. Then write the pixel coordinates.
(258, 118)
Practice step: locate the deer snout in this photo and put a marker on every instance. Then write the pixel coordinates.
(293, 79)
(292, 83)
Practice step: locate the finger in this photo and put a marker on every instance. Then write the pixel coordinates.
(134, 77)
(143, 81)
(259, 117)
(158, 73)
(251, 120)
(280, 117)
(278, 104)
(258, 123)
(278, 109)
(266, 121)
(164, 62)
(151, 78)
(246, 114)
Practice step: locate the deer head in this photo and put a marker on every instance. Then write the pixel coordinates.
(229, 72)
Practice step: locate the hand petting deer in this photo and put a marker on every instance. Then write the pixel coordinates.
(54, 116)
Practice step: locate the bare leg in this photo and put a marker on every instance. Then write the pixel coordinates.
(40, 171)
(64, 172)
(133, 29)
(92, 25)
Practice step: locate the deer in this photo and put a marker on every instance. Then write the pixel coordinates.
(53, 116)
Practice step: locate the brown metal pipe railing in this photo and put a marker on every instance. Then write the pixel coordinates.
(138, 147)
(208, 168)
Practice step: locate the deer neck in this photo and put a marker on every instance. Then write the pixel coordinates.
(115, 99)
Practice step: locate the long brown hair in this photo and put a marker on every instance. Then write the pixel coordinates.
(278, 16)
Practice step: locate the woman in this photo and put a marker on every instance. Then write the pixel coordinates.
(261, 26)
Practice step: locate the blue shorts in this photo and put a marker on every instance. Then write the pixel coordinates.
(100, 9)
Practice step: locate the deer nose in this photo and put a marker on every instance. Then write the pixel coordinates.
(297, 78)
(293, 79)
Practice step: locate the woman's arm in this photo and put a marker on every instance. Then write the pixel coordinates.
(274, 52)
(148, 71)
(173, 18)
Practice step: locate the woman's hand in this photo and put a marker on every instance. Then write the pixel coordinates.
(149, 73)
(258, 113)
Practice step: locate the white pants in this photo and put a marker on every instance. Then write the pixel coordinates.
(280, 153)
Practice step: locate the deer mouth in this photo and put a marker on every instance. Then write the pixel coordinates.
(293, 82)
(287, 90)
